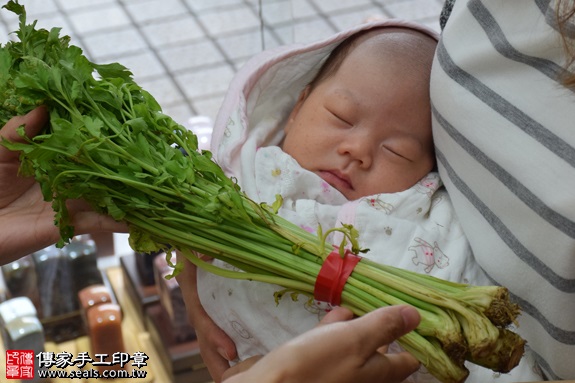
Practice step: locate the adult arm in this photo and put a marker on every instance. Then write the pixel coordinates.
(216, 347)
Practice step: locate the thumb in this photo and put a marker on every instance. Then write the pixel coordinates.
(393, 322)
(33, 122)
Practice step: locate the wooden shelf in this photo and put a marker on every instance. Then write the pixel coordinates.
(139, 335)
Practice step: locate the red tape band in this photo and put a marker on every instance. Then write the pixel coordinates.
(333, 275)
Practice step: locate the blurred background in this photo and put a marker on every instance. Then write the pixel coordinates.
(185, 52)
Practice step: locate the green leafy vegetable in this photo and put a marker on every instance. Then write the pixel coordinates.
(109, 143)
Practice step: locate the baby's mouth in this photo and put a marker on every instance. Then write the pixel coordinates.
(336, 179)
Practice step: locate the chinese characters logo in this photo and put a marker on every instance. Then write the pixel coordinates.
(19, 364)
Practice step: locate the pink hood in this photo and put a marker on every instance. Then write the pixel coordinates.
(263, 92)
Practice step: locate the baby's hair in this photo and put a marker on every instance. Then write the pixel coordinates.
(337, 56)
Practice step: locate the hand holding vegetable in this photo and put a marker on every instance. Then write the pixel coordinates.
(341, 351)
(27, 221)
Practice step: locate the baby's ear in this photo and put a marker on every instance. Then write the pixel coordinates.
(304, 93)
(295, 110)
(300, 100)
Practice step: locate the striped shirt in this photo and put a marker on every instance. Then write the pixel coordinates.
(504, 129)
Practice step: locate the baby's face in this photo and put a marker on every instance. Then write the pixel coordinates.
(364, 130)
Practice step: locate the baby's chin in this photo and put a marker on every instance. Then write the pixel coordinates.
(353, 195)
(359, 194)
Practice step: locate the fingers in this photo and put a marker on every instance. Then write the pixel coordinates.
(216, 347)
(33, 122)
(215, 363)
(370, 334)
(343, 352)
(223, 344)
(85, 220)
(90, 222)
(241, 367)
(393, 322)
(388, 367)
(338, 314)
(411, 317)
(397, 367)
(384, 326)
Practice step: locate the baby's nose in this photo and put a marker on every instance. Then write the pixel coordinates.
(360, 148)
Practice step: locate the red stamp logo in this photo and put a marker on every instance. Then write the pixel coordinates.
(19, 364)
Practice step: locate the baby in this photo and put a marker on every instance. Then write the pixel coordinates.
(353, 147)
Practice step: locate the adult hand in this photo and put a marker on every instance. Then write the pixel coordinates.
(216, 347)
(341, 351)
(27, 221)
(337, 315)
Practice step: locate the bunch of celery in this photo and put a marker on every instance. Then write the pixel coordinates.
(109, 143)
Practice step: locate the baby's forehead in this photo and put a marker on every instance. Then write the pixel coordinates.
(409, 49)
(403, 41)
